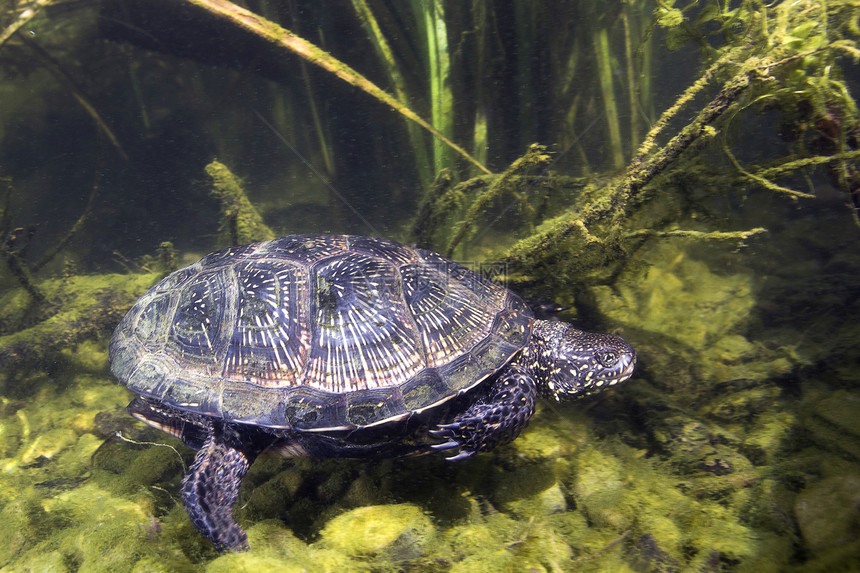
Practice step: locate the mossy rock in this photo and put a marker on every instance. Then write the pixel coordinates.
(253, 562)
(828, 512)
(498, 561)
(472, 539)
(396, 532)
(92, 529)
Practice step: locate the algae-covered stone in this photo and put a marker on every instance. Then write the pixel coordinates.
(741, 399)
(524, 482)
(681, 298)
(76, 461)
(47, 562)
(497, 561)
(828, 511)
(599, 486)
(833, 421)
(551, 438)
(398, 532)
(252, 562)
(47, 445)
(769, 435)
(552, 500)
(547, 502)
(471, 539)
(842, 409)
(769, 506)
(503, 544)
(92, 529)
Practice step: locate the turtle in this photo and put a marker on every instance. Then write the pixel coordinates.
(340, 346)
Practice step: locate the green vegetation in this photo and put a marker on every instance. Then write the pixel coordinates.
(716, 230)
(241, 223)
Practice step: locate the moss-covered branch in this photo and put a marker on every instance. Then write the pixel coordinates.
(535, 156)
(794, 165)
(241, 223)
(607, 205)
(739, 236)
(91, 305)
(22, 273)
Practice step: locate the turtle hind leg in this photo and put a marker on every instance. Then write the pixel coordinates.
(210, 489)
(495, 420)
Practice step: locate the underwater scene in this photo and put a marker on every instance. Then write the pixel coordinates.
(679, 177)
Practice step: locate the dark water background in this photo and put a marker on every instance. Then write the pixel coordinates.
(736, 447)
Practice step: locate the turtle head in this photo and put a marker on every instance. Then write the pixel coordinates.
(572, 363)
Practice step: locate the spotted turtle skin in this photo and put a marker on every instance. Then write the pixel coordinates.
(340, 346)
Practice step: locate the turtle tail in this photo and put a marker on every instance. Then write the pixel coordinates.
(210, 489)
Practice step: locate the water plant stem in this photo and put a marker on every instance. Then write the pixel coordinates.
(383, 49)
(604, 71)
(283, 38)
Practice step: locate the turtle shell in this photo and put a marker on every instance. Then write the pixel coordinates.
(317, 332)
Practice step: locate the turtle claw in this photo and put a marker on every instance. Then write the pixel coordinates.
(453, 433)
(461, 456)
(485, 425)
(446, 446)
(450, 444)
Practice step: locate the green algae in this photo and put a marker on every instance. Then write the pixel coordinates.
(735, 448)
(680, 297)
(569, 494)
(827, 512)
(241, 223)
(397, 532)
(82, 306)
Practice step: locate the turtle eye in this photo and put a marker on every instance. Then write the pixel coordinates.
(607, 359)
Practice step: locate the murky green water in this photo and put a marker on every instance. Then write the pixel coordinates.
(724, 250)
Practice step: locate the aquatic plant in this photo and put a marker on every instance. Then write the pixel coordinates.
(713, 233)
(764, 60)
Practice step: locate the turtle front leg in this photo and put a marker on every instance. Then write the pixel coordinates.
(210, 489)
(495, 420)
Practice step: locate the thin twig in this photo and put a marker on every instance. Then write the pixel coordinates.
(602, 550)
(22, 273)
(54, 67)
(154, 444)
(796, 164)
(79, 224)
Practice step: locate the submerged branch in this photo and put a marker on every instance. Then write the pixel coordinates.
(607, 205)
(763, 181)
(536, 155)
(686, 97)
(22, 273)
(241, 223)
(790, 166)
(698, 235)
(640, 172)
(78, 225)
(25, 16)
(429, 212)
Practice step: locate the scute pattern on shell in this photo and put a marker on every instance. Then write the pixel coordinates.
(317, 332)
